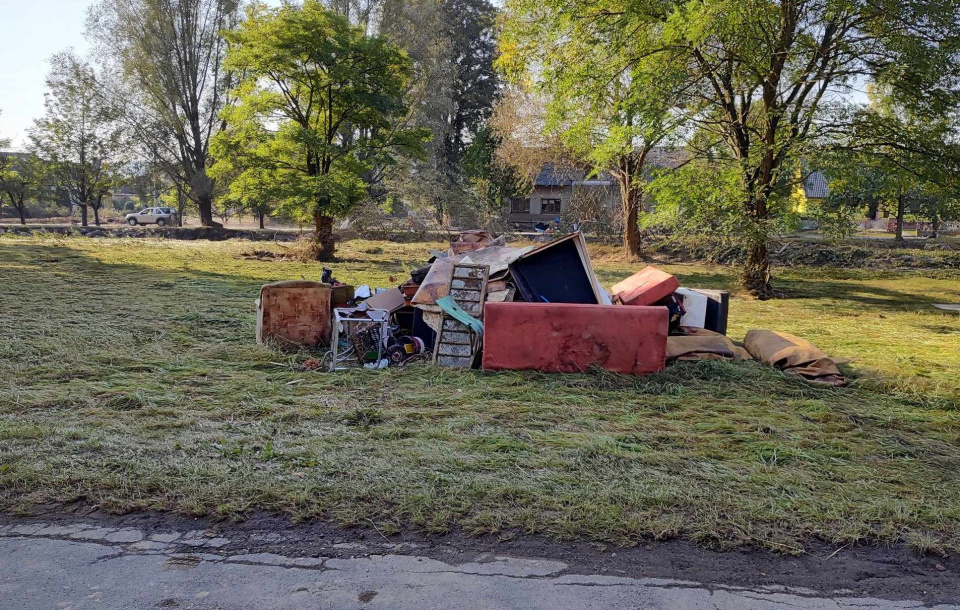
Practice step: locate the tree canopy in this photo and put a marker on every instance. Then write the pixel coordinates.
(169, 81)
(320, 103)
(759, 80)
(79, 137)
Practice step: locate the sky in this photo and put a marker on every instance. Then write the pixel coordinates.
(33, 30)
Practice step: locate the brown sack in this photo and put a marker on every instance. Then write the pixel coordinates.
(701, 344)
(793, 355)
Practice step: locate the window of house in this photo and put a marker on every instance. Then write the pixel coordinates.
(519, 205)
(550, 206)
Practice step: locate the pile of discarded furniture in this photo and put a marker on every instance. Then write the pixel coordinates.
(484, 304)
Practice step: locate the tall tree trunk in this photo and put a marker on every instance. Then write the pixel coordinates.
(936, 226)
(260, 216)
(900, 209)
(96, 215)
(83, 214)
(630, 196)
(325, 244)
(756, 273)
(23, 216)
(205, 208)
(873, 206)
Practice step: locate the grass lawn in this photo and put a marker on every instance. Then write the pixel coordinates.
(130, 379)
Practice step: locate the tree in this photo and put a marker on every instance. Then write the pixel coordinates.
(252, 191)
(605, 112)
(904, 156)
(451, 93)
(524, 144)
(492, 182)
(468, 29)
(21, 180)
(760, 77)
(148, 181)
(173, 84)
(79, 137)
(4, 143)
(318, 107)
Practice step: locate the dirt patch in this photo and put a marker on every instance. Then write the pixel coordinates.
(886, 572)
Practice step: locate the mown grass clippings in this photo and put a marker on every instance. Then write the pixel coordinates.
(131, 380)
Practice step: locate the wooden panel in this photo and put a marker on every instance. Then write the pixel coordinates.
(449, 349)
(460, 363)
(295, 313)
(456, 343)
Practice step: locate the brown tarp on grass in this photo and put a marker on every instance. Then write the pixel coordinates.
(793, 355)
(700, 344)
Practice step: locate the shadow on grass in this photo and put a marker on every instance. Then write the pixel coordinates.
(857, 293)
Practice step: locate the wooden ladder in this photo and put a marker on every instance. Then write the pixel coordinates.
(457, 344)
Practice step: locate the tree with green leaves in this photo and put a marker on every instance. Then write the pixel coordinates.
(251, 190)
(21, 180)
(760, 78)
(319, 105)
(491, 181)
(610, 115)
(452, 90)
(79, 138)
(898, 156)
(468, 29)
(170, 82)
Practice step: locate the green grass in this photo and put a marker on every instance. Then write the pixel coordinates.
(130, 379)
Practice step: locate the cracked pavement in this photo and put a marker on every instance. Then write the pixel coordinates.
(87, 565)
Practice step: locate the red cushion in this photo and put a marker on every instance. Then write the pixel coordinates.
(647, 287)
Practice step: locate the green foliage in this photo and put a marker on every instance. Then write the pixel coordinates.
(317, 108)
(164, 71)
(467, 27)
(698, 199)
(757, 78)
(607, 109)
(21, 180)
(79, 137)
(900, 158)
(491, 181)
(451, 94)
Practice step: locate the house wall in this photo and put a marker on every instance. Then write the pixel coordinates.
(563, 193)
(610, 195)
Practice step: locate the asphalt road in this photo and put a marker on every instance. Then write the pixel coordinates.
(89, 565)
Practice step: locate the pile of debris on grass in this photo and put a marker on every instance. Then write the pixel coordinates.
(485, 304)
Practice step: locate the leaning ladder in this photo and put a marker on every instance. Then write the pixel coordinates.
(457, 344)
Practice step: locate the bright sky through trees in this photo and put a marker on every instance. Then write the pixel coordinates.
(32, 32)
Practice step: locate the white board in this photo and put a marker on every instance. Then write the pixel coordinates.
(696, 305)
